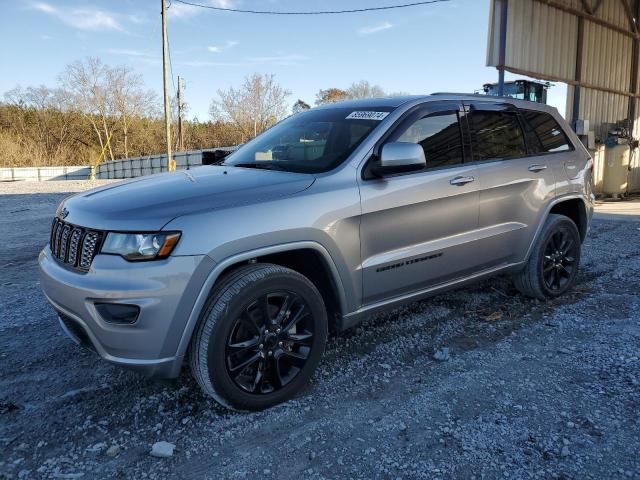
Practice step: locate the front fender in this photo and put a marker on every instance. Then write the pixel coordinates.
(221, 266)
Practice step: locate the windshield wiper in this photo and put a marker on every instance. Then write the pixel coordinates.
(260, 165)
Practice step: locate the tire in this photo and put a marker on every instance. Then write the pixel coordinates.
(552, 267)
(234, 329)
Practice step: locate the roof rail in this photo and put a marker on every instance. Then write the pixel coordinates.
(455, 94)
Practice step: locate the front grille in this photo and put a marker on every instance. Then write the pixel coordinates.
(74, 246)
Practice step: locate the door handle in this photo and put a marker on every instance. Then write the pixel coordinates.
(460, 181)
(537, 168)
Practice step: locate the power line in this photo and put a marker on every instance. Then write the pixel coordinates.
(320, 12)
(170, 62)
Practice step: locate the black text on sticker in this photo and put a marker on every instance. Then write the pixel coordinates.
(363, 115)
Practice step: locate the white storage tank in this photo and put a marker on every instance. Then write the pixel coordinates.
(616, 170)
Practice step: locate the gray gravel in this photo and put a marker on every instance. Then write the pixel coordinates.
(528, 389)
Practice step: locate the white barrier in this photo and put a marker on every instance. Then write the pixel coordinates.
(44, 173)
(139, 166)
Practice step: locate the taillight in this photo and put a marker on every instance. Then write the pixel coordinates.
(590, 165)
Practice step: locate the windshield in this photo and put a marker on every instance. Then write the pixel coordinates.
(314, 141)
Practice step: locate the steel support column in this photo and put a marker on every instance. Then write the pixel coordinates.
(575, 114)
(633, 81)
(502, 58)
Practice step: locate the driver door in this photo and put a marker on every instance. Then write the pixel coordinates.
(418, 229)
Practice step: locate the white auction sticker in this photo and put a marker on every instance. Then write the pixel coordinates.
(364, 115)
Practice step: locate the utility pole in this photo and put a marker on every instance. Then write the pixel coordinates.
(180, 132)
(171, 166)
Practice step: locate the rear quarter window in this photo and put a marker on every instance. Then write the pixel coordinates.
(544, 133)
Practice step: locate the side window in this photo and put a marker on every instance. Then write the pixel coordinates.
(439, 136)
(496, 135)
(545, 134)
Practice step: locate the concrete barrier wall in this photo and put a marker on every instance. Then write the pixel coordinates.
(44, 173)
(126, 168)
(139, 166)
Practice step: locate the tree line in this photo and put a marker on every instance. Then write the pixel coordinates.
(98, 108)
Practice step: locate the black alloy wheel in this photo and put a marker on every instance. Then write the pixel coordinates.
(552, 267)
(559, 260)
(270, 342)
(260, 337)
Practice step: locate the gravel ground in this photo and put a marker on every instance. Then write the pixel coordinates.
(476, 383)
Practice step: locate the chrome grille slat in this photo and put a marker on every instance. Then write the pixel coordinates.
(88, 250)
(64, 239)
(74, 246)
(54, 236)
(54, 224)
(58, 238)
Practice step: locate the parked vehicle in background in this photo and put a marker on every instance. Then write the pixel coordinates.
(337, 212)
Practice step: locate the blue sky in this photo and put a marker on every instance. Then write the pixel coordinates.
(438, 47)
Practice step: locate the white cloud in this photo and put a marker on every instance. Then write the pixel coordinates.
(137, 19)
(181, 10)
(128, 52)
(84, 18)
(381, 27)
(281, 60)
(219, 48)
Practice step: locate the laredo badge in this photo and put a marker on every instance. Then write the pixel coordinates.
(364, 115)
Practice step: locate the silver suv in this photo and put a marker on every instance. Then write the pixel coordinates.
(243, 268)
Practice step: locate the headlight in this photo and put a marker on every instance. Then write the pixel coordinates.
(140, 246)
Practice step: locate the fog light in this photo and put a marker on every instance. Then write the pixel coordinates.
(118, 312)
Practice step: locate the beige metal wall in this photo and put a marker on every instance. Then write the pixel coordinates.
(542, 42)
(542, 39)
(530, 23)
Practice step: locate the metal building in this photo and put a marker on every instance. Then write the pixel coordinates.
(591, 45)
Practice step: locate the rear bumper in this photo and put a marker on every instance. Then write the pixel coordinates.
(165, 291)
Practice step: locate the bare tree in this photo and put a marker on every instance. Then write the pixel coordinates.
(130, 99)
(87, 82)
(51, 127)
(399, 93)
(330, 95)
(363, 89)
(255, 106)
(300, 106)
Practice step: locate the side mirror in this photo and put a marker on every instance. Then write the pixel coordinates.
(399, 157)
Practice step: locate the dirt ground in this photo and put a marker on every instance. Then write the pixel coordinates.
(528, 390)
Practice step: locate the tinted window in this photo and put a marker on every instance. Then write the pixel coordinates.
(496, 135)
(313, 141)
(439, 137)
(545, 134)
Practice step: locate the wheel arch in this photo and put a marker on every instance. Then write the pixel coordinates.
(576, 210)
(290, 255)
(558, 205)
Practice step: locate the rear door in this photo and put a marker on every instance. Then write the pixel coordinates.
(547, 137)
(416, 227)
(516, 182)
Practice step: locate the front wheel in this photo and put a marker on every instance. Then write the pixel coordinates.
(552, 267)
(261, 337)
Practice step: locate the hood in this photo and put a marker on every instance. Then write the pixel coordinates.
(148, 203)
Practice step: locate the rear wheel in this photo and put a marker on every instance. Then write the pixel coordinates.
(552, 268)
(261, 337)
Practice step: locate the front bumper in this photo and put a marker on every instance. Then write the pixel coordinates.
(164, 290)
